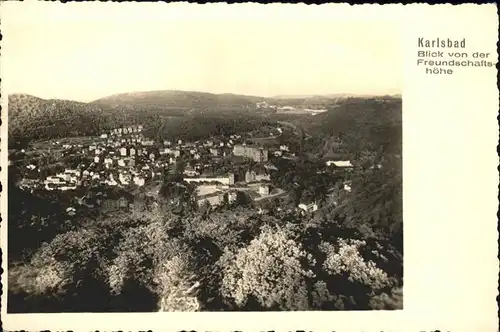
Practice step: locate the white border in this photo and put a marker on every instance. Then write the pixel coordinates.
(450, 134)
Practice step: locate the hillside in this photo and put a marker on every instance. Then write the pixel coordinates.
(33, 118)
(373, 124)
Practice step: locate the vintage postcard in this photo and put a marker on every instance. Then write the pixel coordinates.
(249, 167)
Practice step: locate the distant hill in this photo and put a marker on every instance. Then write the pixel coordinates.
(324, 96)
(179, 99)
(189, 100)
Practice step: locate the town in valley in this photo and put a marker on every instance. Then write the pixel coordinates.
(125, 160)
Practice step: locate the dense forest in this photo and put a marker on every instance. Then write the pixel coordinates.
(203, 126)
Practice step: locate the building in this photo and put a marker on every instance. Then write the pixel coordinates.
(214, 152)
(256, 154)
(139, 181)
(251, 176)
(348, 186)
(264, 190)
(124, 178)
(58, 183)
(111, 205)
(165, 151)
(213, 199)
(308, 207)
(104, 135)
(190, 172)
(132, 152)
(123, 152)
(227, 180)
(339, 163)
(231, 197)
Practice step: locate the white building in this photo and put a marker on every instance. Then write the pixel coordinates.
(339, 163)
(189, 172)
(123, 152)
(264, 190)
(227, 180)
(124, 178)
(308, 207)
(165, 151)
(104, 135)
(139, 181)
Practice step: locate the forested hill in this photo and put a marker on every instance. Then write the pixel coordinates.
(179, 99)
(373, 124)
(32, 118)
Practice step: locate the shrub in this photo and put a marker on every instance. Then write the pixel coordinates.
(386, 301)
(270, 270)
(346, 259)
(323, 299)
(135, 253)
(176, 286)
(42, 280)
(60, 263)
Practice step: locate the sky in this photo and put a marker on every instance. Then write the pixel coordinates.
(85, 51)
